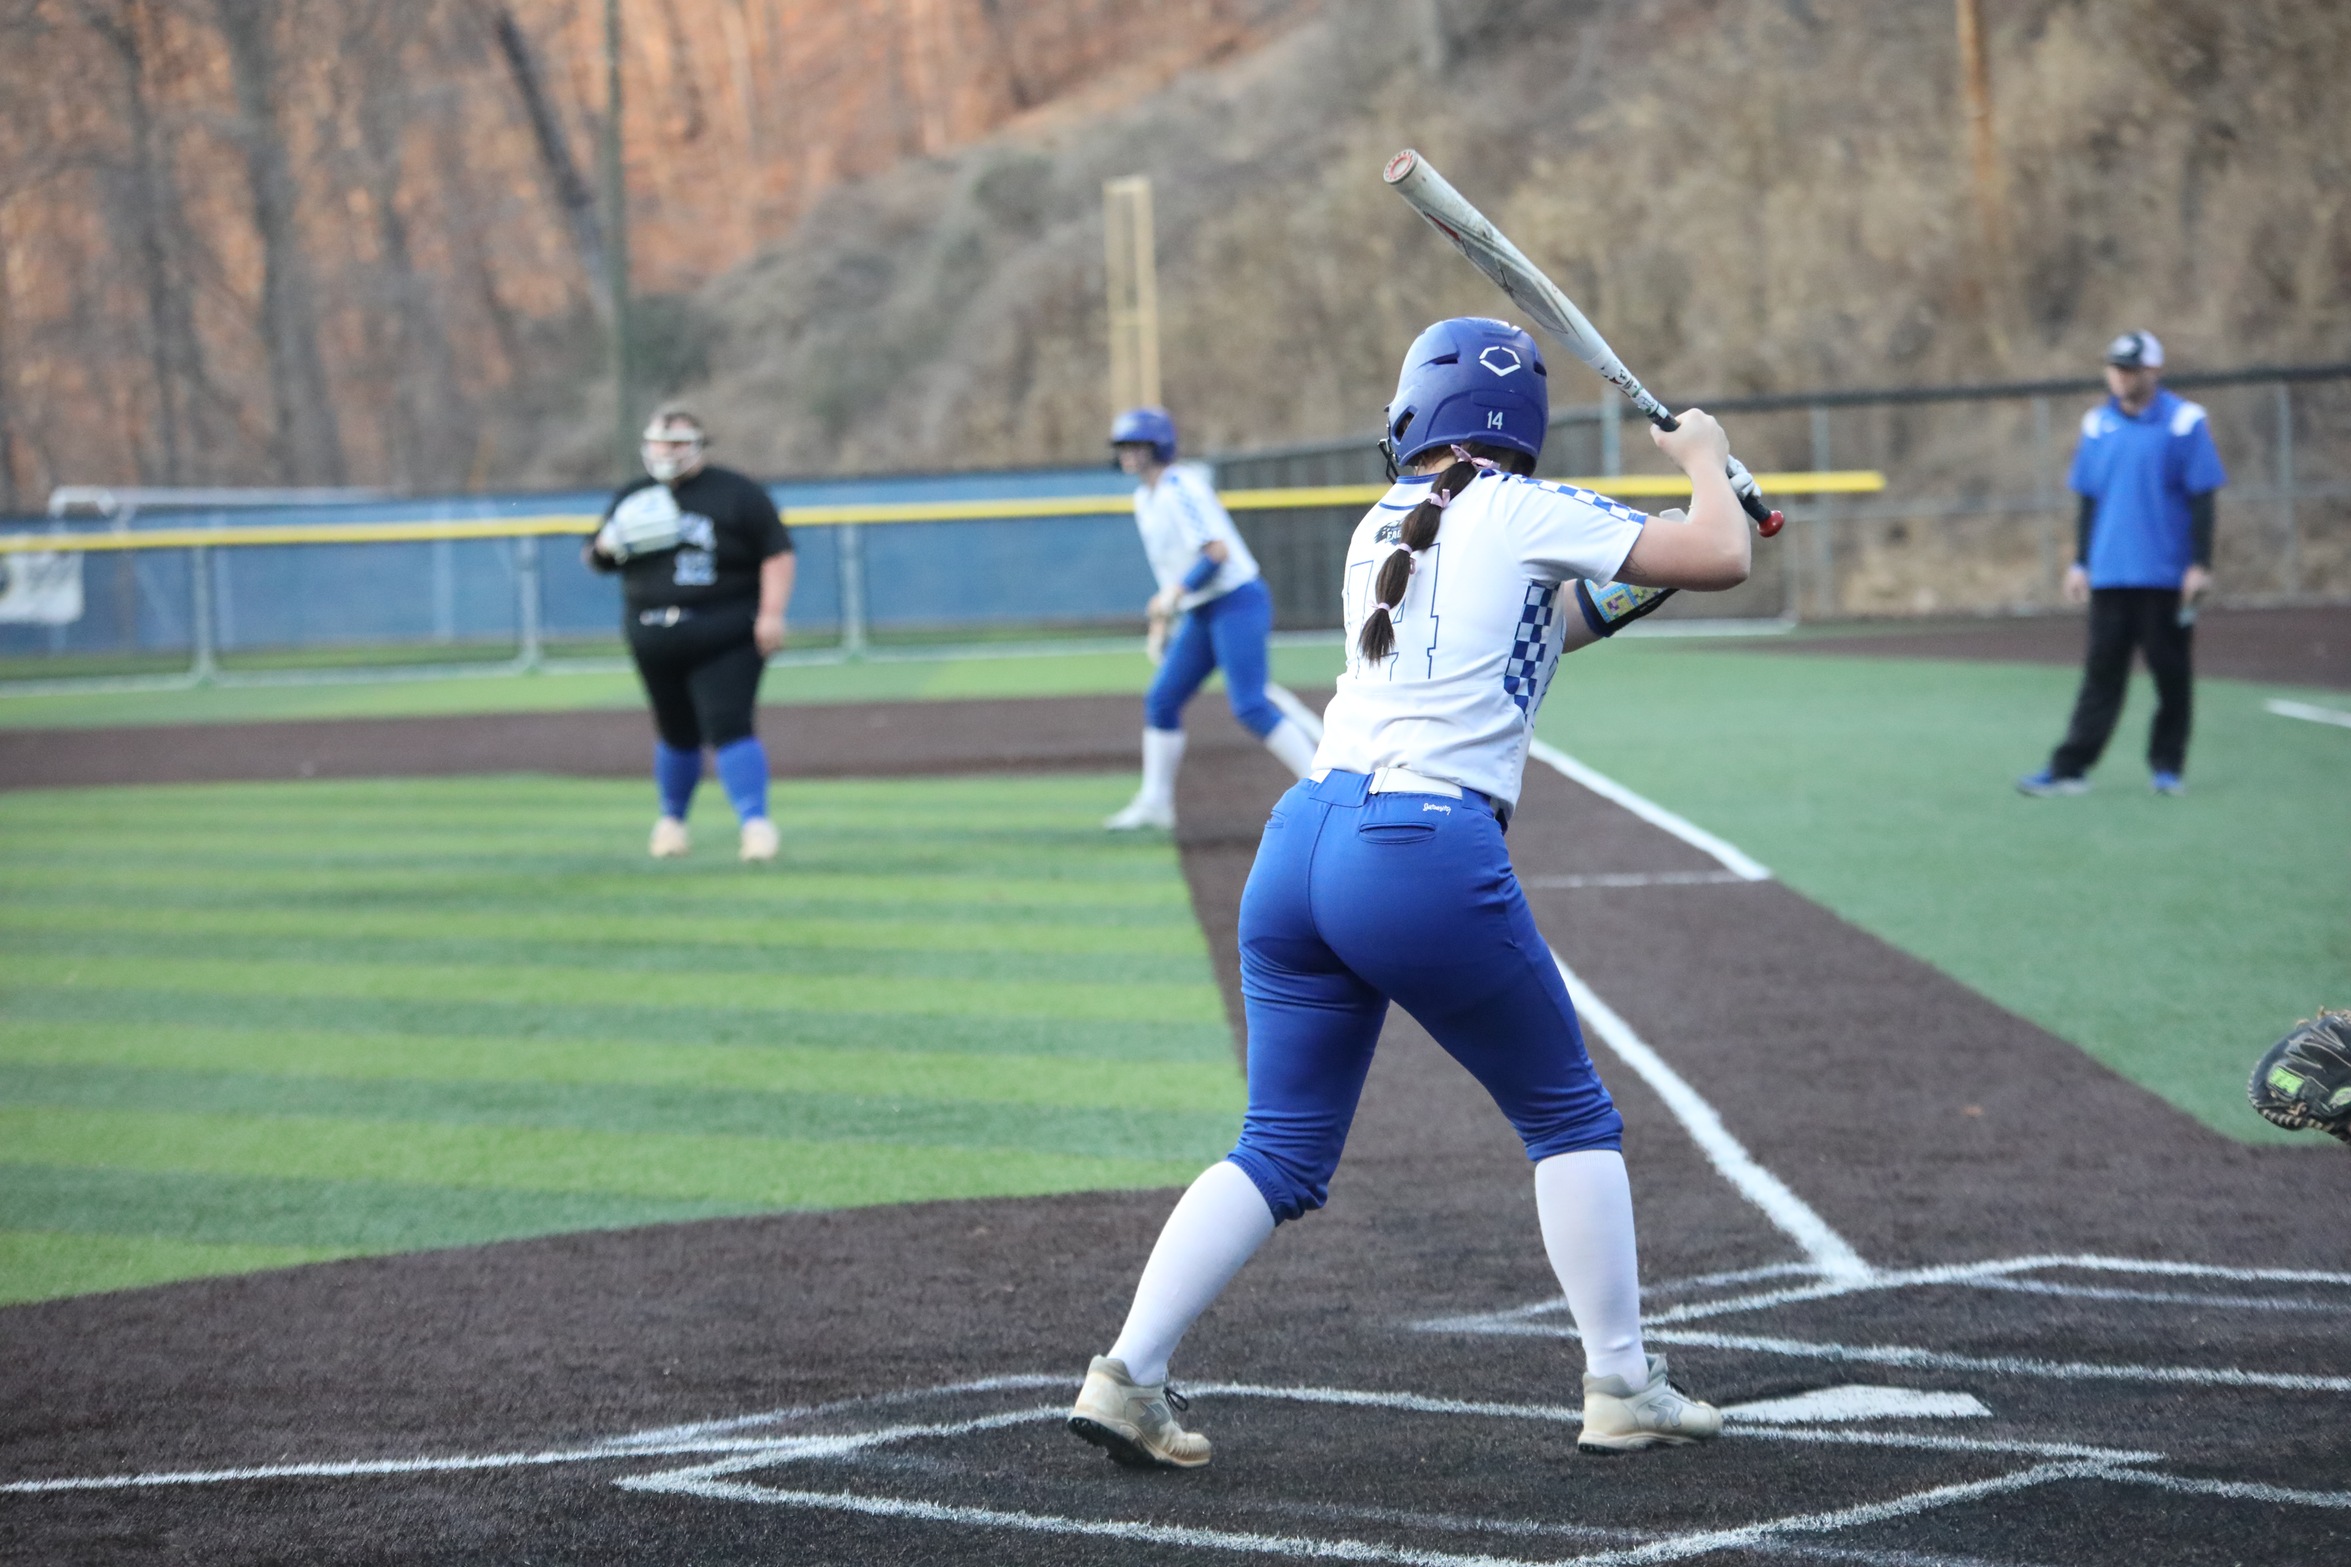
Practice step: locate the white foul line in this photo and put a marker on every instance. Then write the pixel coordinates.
(1636, 879)
(1828, 1251)
(2309, 712)
(1741, 866)
(1728, 855)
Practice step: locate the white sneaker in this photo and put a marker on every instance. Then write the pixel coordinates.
(670, 840)
(760, 841)
(1618, 1418)
(1133, 1423)
(1143, 812)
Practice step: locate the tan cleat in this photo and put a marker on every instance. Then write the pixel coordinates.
(759, 839)
(1133, 1423)
(670, 841)
(1619, 1418)
(1143, 811)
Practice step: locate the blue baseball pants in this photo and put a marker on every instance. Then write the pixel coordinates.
(1360, 899)
(1228, 632)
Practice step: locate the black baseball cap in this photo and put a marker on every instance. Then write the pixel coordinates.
(2135, 351)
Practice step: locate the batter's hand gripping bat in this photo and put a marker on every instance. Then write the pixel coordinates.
(1490, 251)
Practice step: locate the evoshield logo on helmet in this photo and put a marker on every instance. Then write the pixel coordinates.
(1500, 360)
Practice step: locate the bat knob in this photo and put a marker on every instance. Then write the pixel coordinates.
(1771, 524)
(1400, 165)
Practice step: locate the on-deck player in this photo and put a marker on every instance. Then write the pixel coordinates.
(1382, 876)
(706, 573)
(1207, 577)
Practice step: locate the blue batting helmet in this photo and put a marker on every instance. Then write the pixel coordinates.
(1146, 424)
(1469, 379)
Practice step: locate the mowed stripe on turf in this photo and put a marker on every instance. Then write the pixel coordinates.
(261, 1021)
(1156, 1086)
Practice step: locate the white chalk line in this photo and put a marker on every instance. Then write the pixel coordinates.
(1637, 879)
(2236, 1490)
(1528, 1528)
(1681, 1547)
(1823, 1247)
(710, 1481)
(1018, 1381)
(1989, 1273)
(2308, 712)
(1828, 1251)
(2003, 1365)
(1740, 865)
(1728, 855)
(732, 1453)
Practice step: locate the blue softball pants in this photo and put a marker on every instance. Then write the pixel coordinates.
(1228, 632)
(1360, 899)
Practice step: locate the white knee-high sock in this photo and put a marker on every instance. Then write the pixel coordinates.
(1163, 753)
(1218, 1226)
(1291, 748)
(1585, 1203)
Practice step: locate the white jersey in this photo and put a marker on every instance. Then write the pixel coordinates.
(1177, 517)
(1478, 633)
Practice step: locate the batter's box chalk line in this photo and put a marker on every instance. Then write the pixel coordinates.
(751, 1459)
(1544, 1319)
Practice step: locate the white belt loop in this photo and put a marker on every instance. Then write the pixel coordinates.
(1403, 780)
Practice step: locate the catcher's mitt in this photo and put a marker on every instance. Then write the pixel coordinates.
(2304, 1080)
(645, 523)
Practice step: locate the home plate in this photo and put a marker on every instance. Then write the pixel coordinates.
(1852, 1402)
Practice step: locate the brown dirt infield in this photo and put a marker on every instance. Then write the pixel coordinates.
(1924, 1124)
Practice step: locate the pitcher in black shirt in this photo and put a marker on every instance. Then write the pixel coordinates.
(706, 571)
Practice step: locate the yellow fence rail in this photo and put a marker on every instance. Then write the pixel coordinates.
(1623, 486)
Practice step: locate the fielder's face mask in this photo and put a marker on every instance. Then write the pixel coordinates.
(672, 448)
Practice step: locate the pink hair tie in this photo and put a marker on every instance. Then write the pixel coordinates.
(1483, 464)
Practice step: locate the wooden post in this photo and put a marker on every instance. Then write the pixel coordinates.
(616, 248)
(1975, 86)
(1132, 273)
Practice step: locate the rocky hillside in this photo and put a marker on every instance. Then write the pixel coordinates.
(1748, 194)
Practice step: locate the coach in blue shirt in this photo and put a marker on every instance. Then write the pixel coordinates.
(2146, 473)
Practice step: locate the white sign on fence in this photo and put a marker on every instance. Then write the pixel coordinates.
(43, 588)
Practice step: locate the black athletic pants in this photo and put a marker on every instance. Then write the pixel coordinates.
(2122, 619)
(701, 673)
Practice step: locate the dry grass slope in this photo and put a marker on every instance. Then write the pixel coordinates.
(1750, 195)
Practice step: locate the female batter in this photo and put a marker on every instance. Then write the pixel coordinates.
(1208, 578)
(706, 572)
(1382, 875)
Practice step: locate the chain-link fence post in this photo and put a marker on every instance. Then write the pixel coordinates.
(1821, 570)
(530, 650)
(852, 557)
(2289, 525)
(2045, 503)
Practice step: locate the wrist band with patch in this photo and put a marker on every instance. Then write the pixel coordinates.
(1611, 606)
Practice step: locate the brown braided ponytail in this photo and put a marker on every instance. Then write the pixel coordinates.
(1378, 638)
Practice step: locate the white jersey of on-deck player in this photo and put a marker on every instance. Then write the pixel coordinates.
(1478, 633)
(1177, 517)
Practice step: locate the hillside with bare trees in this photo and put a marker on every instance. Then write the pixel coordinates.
(358, 241)
(345, 244)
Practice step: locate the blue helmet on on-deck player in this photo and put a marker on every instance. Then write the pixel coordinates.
(1469, 379)
(1146, 424)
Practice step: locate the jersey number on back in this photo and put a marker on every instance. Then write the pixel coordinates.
(1417, 632)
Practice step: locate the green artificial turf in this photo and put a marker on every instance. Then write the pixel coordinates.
(251, 1025)
(2173, 939)
(1080, 670)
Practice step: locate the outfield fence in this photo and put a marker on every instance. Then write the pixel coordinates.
(1975, 517)
(313, 586)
